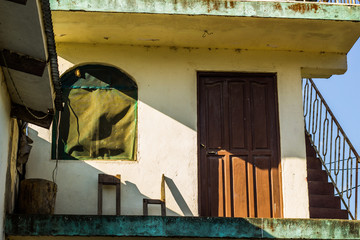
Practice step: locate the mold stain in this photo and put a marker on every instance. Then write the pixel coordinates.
(277, 6)
(184, 4)
(188, 48)
(232, 4)
(302, 7)
(216, 5)
(213, 5)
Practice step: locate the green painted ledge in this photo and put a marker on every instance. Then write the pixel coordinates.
(155, 226)
(235, 8)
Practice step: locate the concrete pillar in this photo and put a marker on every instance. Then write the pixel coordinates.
(292, 140)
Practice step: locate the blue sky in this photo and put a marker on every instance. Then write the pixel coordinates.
(342, 93)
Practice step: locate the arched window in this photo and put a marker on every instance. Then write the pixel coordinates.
(99, 116)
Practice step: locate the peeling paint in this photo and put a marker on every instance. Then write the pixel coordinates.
(303, 7)
(213, 5)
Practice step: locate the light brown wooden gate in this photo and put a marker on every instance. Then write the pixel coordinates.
(238, 145)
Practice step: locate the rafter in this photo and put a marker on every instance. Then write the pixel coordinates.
(23, 2)
(22, 62)
(22, 113)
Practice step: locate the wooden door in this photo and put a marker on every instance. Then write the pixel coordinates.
(238, 145)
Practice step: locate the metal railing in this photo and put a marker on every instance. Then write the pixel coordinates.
(338, 156)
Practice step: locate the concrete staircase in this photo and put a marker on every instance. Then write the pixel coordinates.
(322, 201)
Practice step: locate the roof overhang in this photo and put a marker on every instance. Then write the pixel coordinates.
(288, 26)
(28, 59)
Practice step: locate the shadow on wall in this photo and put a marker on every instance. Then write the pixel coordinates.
(81, 179)
(171, 91)
(178, 197)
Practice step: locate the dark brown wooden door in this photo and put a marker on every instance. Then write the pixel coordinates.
(238, 145)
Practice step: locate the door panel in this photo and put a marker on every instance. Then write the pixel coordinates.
(216, 187)
(236, 92)
(262, 179)
(214, 117)
(259, 115)
(239, 189)
(238, 152)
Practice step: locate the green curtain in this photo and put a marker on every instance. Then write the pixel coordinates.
(99, 117)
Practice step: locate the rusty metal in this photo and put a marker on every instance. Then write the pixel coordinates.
(313, 7)
(337, 1)
(333, 148)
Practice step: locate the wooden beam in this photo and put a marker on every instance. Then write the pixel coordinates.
(22, 113)
(23, 2)
(22, 62)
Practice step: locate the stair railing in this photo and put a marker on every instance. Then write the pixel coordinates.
(338, 156)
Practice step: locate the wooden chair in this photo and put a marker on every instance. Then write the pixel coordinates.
(104, 179)
(160, 201)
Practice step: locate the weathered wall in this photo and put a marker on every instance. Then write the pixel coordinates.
(4, 145)
(12, 177)
(167, 126)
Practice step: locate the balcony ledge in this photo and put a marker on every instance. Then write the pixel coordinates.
(173, 227)
(229, 8)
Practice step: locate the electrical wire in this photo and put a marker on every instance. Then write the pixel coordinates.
(17, 92)
(54, 173)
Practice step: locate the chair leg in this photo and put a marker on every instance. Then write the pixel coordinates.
(118, 199)
(99, 199)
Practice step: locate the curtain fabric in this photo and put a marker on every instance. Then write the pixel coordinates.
(99, 116)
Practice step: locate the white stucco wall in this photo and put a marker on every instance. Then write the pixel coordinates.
(4, 146)
(167, 127)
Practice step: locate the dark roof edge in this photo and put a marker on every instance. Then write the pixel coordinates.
(50, 40)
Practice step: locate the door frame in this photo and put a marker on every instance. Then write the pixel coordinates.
(277, 122)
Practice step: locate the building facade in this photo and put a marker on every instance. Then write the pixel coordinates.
(206, 93)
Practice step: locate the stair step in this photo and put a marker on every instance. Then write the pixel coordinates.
(317, 175)
(324, 201)
(329, 213)
(310, 152)
(320, 188)
(313, 163)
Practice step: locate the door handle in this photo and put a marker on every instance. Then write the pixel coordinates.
(211, 153)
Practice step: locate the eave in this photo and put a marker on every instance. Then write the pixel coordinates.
(29, 60)
(243, 25)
